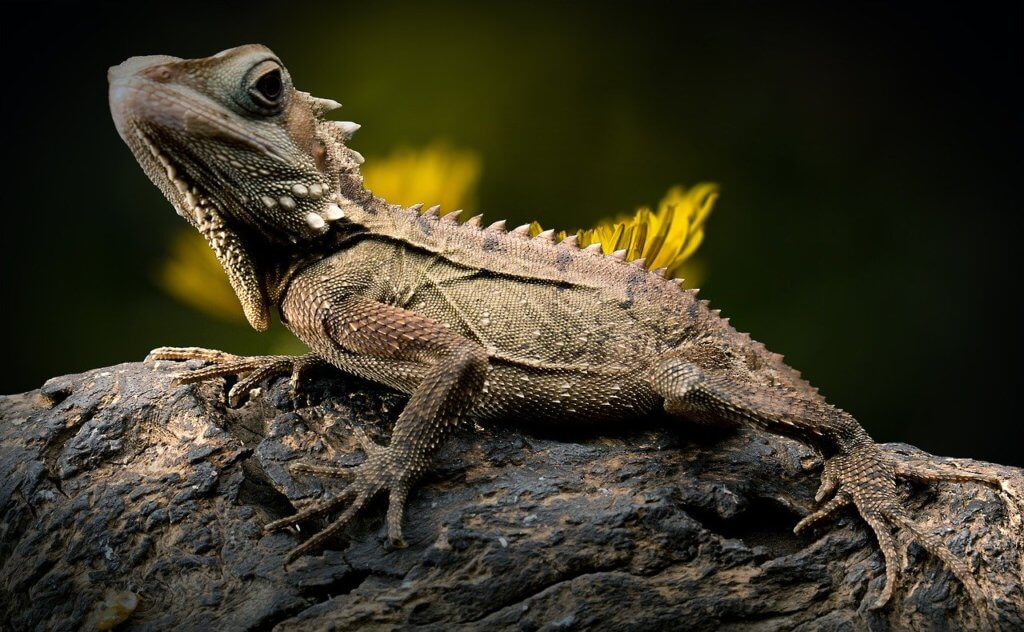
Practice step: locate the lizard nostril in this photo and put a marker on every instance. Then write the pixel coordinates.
(158, 73)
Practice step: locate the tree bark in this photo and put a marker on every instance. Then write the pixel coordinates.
(128, 501)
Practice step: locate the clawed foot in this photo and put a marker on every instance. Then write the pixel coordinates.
(385, 468)
(866, 477)
(256, 369)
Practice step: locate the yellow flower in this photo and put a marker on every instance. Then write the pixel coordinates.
(665, 239)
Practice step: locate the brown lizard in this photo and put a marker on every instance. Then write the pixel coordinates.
(471, 322)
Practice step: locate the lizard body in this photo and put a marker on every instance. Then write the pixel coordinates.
(472, 322)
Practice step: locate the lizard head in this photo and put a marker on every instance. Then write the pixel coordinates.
(239, 152)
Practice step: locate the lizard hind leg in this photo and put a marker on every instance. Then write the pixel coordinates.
(857, 472)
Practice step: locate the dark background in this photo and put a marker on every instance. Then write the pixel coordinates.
(869, 157)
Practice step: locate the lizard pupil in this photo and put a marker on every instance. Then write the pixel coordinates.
(269, 85)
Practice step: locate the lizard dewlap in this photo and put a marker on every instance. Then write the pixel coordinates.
(472, 320)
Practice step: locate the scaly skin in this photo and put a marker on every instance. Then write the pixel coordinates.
(471, 322)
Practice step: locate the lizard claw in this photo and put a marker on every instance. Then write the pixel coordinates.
(865, 476)
(384, 470)
(827, 488)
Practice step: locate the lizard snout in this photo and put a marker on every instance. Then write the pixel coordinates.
(134, 65)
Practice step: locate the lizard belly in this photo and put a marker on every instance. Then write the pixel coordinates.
(535, 324)
(555, 351)
(515, 392)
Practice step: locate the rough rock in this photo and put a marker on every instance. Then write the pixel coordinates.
(127, 500)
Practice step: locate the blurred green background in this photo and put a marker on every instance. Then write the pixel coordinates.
(868, 158)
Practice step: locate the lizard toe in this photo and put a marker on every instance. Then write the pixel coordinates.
(318, 539)
(883, 533)
(224, 369)
(867, 476)
(382, 471)
(189, 353)
(396, 511)
(955, 564)
(266, 368)
(315, 509)
(934, 472)
(254, 370)
(323, 471)
(829, 485)
(301, 365)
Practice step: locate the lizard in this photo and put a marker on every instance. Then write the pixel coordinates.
(473, 323)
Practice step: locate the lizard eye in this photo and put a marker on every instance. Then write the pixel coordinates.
(266, 86)
(269, 85)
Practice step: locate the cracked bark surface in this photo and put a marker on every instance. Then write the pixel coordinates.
(116, 486)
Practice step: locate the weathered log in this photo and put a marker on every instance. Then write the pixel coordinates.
(125, 498)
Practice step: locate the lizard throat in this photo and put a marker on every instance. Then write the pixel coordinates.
(200, 211)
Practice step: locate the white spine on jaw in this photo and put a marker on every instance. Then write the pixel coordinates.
(315, 221)
(333, 212)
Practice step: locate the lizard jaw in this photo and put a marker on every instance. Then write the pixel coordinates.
(187, 204)
(227, 246)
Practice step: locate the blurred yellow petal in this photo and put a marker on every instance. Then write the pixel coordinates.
(665, 238)
(436, 174)
(637, 239)
(613, 241)
(704, 197)
(691, 245)
(654, 251)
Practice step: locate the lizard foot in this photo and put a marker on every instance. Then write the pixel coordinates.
(866, 478)
(256, 369)
(385, 468)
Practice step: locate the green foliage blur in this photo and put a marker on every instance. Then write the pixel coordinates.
(868, 157)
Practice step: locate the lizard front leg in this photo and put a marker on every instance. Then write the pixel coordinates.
(371, 339)
(255, 369)
(857, 471)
